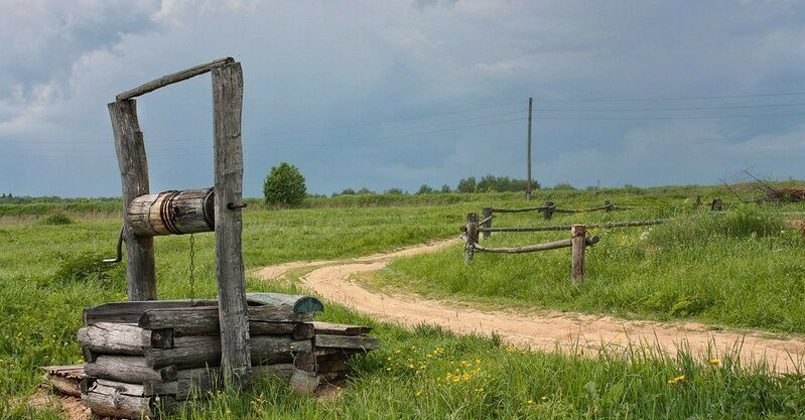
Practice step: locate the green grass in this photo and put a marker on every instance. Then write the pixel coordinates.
(738, 269)
(50, 272)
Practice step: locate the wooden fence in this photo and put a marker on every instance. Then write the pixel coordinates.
(578, 241)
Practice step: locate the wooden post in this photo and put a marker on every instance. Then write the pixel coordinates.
(717, 205)
(227, 95)
(140, 273)
(488, 220)
(529, 186)
(608, 206)
(548, 211)
(578, 237)
(471, 237)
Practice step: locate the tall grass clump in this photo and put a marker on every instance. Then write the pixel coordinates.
(743, 222)
(58, 218)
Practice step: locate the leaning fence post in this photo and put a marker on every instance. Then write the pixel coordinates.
(578, 240)
(471, 237)
(487, 221)
(717, 205)
(608, 206)
(547, 211)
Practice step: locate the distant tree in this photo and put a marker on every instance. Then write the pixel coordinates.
(466, 185)
(365, 190)
(563, 186)
(394, 191)
(425, 189)
(284, 186)
(445, 188)
(348, 191)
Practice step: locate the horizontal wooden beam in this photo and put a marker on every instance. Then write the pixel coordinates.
(567, 227)
(564, 243)
(173, 78)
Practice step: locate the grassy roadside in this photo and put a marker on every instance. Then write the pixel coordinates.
(427, 372)
(740, 269)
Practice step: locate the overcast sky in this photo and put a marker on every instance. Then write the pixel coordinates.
(391, 93)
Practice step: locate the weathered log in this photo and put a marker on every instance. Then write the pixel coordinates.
(227, 98)
(564, 243)
(304, 383)
(567, 227)
(173, 78)
(140, 272)
(113, 338)
(346, 342)
(172, 212)
(65, 379)
(130, 312)
(122, 400)
(340, 329)
(205, 320)
(199, 351)
(486, 221)
(298, 303)
(130, 369)
(579, 239)
(192, 383)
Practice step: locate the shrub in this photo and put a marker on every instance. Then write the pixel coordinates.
(284, 186)
(88, 267)
(58, 218)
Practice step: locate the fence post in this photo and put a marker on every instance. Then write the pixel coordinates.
(578, 240)
(608, 206)
(698, 201)
(488, 223)
(471, 237)
(717, 205)
(548, 211)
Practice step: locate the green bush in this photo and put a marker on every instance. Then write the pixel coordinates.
(284, 186)
(88, 267)
(58, 218)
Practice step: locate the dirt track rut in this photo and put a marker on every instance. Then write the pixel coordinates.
(542, 330)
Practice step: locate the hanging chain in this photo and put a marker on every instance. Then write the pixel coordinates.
(192, 268)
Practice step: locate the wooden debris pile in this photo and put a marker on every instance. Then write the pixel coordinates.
(140, 356)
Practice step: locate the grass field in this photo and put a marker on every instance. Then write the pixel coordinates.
(49, 273)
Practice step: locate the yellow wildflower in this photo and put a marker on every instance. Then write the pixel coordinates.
(715, 361)
(677, 380)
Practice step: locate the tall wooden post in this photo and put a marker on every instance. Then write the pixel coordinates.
(140, 274)
(548, 209)
(487, 212)
(578, 240)
(529, 187)
(471, 237)
(227, 95)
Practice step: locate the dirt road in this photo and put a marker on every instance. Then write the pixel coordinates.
(543, 330)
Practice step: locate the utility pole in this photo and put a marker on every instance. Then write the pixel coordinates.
(528, 187)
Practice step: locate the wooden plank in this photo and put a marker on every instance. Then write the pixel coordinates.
(200, 351)
(205, 320)
(140, 272)
(346, 342)
(173, 78)
(564, 243)
(131, 369)
(227, 94)
(340, 329)
(65, 379)
(634, 223)
(298, 303)
(130, 312)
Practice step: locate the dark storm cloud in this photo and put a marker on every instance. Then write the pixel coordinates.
(396, 94)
